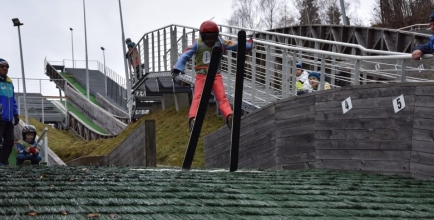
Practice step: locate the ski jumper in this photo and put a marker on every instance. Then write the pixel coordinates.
(203, 58)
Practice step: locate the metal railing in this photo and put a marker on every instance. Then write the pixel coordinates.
(270, 67)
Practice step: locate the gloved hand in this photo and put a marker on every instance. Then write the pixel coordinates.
(33, 150)
(176, 72)
(16, 119)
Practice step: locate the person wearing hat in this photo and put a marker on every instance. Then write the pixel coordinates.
(314, 81)
(428, 48)
(134, 58)
(301, 76)
(9, 113)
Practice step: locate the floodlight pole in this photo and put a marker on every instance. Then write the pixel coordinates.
(127, 78)
(17, 23)
(105, 74)
(85, 45)
(72, 42)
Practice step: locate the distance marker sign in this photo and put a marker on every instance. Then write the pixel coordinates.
(399, 103)
(347, 105)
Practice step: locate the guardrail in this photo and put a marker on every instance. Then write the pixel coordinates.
(270, 67)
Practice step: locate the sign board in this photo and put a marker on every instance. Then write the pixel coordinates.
(399, 103)
(347, 105)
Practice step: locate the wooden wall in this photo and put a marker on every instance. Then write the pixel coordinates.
(311, 131)
(139, 149)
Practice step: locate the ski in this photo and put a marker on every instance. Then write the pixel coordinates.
(43, 151)
(203, 105)
(238, 101)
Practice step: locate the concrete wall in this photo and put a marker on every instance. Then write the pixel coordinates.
(110, 107)
(311, 131)
(139, 149)
(99, 116)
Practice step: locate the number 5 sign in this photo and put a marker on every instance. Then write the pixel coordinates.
(399, 103)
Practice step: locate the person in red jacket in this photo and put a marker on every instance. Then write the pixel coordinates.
(202, 47)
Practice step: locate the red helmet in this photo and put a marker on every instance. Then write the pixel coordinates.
(208, 27)
(209, 32)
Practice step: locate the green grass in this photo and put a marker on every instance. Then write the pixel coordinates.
(172, 135)
(84, 118)
(79, 87)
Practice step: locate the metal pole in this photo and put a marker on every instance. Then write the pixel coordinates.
(24, 77)
(344, 15)
(72, 42)
(85, 44)
(127, 79)
(105, 74)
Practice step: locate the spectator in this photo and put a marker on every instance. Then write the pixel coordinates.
(202, 47)
(27, 147)
(301, 77)
(128, 41)
(9, 113)
(134, 59)
(314, 81)
(421, 49)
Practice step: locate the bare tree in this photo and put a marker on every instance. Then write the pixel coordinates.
(246, 14)
(269, 10)
(309, 12)
(287, 17)
(401, 13)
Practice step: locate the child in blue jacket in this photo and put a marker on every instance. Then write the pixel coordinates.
(27, 147)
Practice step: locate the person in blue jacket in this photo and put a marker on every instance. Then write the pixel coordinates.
(428, 48)
(27, 147)
(9, 113)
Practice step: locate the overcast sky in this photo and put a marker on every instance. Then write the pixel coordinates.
(46, 34)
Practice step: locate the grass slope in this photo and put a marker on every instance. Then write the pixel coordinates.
(172, 138)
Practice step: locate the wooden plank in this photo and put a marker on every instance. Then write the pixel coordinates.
(255, 160)
(363, 103)
(382, 155)
(364, 123)
(258, 115)
(423, 101)
(302, 129)
(364, 165)
(423, 135)
(258, 150)
(424, 90)
(150, 144)
(363, 144)
(294, 122)
(423, 146)
(295, 102)
(295, 149)
(424, 112)
(366, 113)
(368, 91)
(424, 123)
(422, 157)
(295, 113)
(295, 140)
(422, 169)
(295, 158)
(215, 148)
(298, 166)
(365, 134)
(223, 157)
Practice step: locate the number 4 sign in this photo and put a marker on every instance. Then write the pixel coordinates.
(347, 105)
(399, 103)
